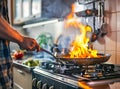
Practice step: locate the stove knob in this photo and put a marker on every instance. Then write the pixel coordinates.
(51, 87)
(34, 81)
(44, 86)
(39, 85)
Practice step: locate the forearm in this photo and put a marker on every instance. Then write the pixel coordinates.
(8, 32)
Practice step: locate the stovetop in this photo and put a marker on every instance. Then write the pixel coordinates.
(71, 73)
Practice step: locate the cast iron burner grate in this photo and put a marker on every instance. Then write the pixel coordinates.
(98, 71)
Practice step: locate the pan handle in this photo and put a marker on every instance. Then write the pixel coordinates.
(57, 58)
(42, 49)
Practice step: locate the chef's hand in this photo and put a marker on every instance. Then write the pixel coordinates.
(29, 44)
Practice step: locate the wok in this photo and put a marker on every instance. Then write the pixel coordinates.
(81, 61)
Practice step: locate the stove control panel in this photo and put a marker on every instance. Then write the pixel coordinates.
(43, 80)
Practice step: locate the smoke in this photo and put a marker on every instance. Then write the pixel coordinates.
(56, 8)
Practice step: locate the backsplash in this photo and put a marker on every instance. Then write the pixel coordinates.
(108, 44)
(111, 42)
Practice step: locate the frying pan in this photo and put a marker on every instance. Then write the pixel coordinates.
(87, 61)
(81, 61)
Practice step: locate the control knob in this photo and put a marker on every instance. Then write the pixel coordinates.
(34, 81)
(44, 86)
(39, 85)
(51, 87)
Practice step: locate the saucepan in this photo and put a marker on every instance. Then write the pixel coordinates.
(81, 61)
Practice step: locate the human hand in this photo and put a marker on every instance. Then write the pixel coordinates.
(29, 44)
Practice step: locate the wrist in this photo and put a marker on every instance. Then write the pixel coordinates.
(20, 40)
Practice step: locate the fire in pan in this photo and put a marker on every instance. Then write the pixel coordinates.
(81, 61)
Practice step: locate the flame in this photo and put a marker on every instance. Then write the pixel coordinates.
(72, 12)
(79, 47)
(84, 85)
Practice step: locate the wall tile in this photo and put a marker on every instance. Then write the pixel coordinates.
(118, 5)
(112, 58)
(110, 5)
(99, 46)
(118, 21)
(118, 41)
(107, 8)
(118, 58)
(112, 22)
(110, 18)
(111, 41)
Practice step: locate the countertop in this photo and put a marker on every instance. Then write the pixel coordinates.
(18, 64)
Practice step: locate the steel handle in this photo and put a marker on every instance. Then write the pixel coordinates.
(20, 71)
(42, 49)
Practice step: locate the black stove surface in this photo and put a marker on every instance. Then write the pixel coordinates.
(92, 74)
(98, 71)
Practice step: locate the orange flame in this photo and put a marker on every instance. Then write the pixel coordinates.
(72, 12)
(84, 85)
(79, 47)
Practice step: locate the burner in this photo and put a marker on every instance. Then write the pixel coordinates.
(91, 71)
(98, 70)
(70, 73)
(67, 69)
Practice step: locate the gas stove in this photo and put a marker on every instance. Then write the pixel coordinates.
(67, 75)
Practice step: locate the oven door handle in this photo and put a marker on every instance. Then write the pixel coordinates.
(21, 72)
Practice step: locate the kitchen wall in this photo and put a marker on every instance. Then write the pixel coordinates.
(110, 43)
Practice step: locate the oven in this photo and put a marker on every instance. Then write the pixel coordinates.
(53, 75)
